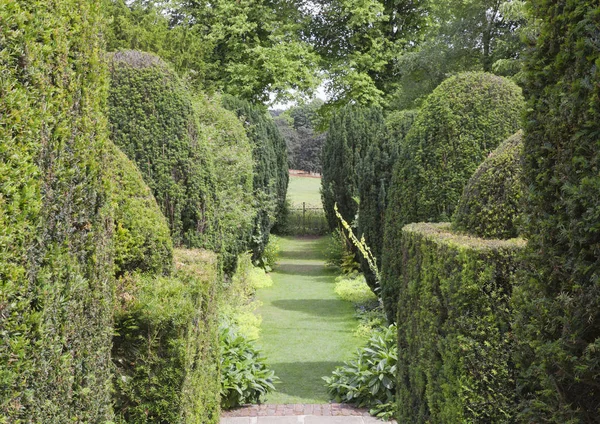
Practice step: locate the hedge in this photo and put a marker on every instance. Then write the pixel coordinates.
(166, 348)
(492, 199)
(142, 240)
(56, 279)
(559, 304)
(454, 333)
(231, 152)
(270, 168)
(460, 123)
(152, 119)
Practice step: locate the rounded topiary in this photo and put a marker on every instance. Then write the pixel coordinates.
(461, 122)
(142, 240)
(152, 119)
(491, 201)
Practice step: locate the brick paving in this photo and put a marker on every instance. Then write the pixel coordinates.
(319, 410)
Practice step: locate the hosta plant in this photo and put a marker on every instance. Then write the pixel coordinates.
(245, 376)
(369, 379)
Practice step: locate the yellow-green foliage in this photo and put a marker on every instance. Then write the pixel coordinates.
(454, 327)
(142, 240)
(56, 279)
(354, 288)
(491, 201)
(165, 350)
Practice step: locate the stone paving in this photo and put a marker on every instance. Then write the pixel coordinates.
(332, 413)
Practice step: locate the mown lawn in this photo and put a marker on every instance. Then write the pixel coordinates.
(307, 331)
(305, 189)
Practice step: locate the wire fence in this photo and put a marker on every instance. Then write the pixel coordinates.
(306, 221)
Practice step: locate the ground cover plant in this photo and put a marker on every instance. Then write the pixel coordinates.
(56, 268)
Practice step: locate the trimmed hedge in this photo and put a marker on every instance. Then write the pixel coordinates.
(166, 344)
(559, 304)
(152, 119)
(234, 205)
(454, 335)
(461, 122)
(142, 240)
(492, 199)
(56, 279)
(270, 168)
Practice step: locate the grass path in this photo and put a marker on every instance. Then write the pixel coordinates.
(306, 331)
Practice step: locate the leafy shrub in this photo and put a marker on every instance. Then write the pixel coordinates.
(142, 240)
(165, 351)
(245, 377)
(461, 122)
(270, 168)
(558, 303)
(56, 279)
(369, 380)
(152, 119)
(455, 344)
(271, 254)
(354, 288)
(491, 201)
(338, 253)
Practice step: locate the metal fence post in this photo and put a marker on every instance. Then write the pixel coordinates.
(304, 217)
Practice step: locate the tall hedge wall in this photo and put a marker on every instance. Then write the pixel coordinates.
(454, 332)
(559, 320)
(56, 282)
(351, 130)
(166, 347)
(152, 119)
(142, 240)
(492, 199)
(270, 168)
(374, 174)
(234, 205)
(461, 122)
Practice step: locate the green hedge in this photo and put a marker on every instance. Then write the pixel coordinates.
(559, 304)
(454, 333)
(166, 348)
(270, 168)
(142, 240)
(461, 122)
(492, 199)
(152, 119)
(56, 279)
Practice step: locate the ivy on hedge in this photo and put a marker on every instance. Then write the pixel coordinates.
(461, 122)
(270, 168)
(492, 199)
(56, 269)
(166, 350)
(454, 326)
(559, 302)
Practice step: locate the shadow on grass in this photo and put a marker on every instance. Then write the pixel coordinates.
(304, 379)
(302, 269)
(329, 308)
(307, 253)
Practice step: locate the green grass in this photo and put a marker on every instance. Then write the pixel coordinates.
(305, 189)
(307, 331)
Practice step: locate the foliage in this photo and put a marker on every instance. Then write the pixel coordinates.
(231, 153)
(165, 351)
(338, 253)
(245, 377)
(453, 310)
(271, 254)
(462, 121)
(559, 301)
(354, 288)
(56, 278)
(246, 49)
(142, 240)
(374, 173)
(369, 380)
(152, 120)
(270, 169)
(491, 201)
(351, 130)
